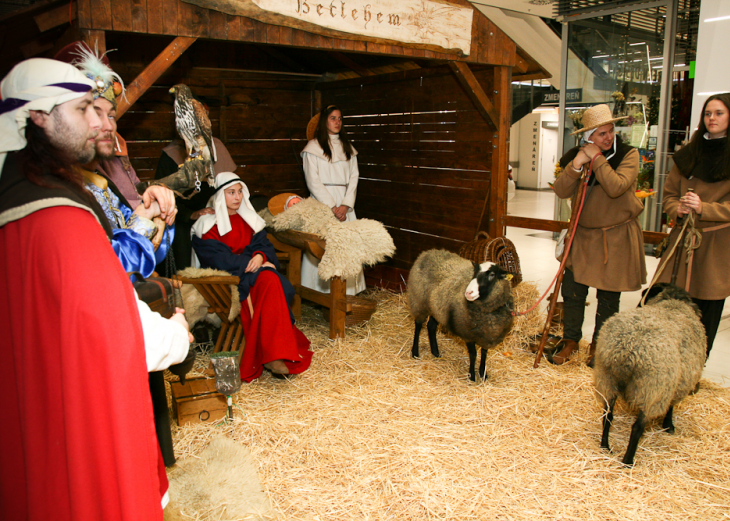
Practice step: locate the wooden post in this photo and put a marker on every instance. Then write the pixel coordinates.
(153, 71)
(222, 122)
(500, 152)
(317, 101)
(94, 39)
(338, 307)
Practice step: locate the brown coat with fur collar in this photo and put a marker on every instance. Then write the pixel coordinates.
(608, 249)
(710, 279)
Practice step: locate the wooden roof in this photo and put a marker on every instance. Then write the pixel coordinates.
(44, 27)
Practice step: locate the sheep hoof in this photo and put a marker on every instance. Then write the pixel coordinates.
(670, 430)
(472, 377)
(605, 447)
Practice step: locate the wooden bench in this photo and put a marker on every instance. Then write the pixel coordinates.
(336, 299)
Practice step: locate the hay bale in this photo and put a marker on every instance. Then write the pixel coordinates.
(221, 483)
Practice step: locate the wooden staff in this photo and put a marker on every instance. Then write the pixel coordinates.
(574, 216)
(678, 253)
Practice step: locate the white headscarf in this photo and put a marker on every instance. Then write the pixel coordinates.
(35, 84)
(218, 201)
(589, 133)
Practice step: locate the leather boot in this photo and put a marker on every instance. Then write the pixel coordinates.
(569, 347)
(591, 355)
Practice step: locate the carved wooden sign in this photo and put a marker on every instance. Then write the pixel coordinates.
(428, 23)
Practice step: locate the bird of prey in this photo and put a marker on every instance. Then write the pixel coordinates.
(193, 125)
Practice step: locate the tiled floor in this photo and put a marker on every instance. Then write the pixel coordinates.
(537, 259)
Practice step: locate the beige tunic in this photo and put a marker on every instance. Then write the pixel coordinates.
(710, 278)
(608, 249)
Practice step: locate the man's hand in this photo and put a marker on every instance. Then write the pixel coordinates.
(150, 212)
(165, 199)
(255, 263)
(179, 317)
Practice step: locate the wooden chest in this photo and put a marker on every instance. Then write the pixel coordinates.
(197, 401)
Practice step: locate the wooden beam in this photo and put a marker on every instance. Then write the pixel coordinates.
(153, 71)
(500, 152)
(521, 64)
(350, 63)
(281, 57)
(60, 15)
(94, 39)
(556, 226)
(475, 93)
(531, 76)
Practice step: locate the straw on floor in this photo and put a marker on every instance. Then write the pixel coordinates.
(370, 433)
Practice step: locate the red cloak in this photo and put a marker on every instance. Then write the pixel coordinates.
(78, 439)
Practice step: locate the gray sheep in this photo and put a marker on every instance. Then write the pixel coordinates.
(653, 357)
(472, 301)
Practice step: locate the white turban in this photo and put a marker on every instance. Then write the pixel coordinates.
(218, 202)
(35, 84)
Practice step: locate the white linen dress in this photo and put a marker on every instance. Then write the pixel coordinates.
(333, 183)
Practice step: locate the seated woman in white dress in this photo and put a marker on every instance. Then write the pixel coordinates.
(330, 169)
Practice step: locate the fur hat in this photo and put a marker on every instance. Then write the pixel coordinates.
(280, 202)
(109, 84)
(596, 117)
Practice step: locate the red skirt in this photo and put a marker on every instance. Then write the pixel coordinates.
(269, 334)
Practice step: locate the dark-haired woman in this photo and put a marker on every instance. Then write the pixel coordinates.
(330, 169)
(704, 166)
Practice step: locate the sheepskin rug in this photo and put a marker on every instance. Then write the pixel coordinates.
(350, 245)
(221, 482)
(196, 307)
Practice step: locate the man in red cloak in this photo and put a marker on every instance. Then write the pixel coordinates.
(78, 438)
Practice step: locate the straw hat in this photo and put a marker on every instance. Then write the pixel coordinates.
(312, 125)
(277, 204)
(596, 117)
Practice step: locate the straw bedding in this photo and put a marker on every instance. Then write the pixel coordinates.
(369, 433)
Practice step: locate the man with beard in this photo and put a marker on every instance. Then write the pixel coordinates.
(78, 438)
(139, 242)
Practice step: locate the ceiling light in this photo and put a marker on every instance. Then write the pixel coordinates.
(717, 19)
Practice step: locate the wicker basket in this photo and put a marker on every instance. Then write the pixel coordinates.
(476, 250)
(499, 250)
(362, 310)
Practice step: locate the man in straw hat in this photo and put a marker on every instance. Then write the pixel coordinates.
(608, 248)
(78, 438)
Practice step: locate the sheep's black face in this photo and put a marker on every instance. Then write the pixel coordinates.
(485, 277)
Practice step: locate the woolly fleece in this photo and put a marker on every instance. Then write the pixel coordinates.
(196, 307)
(350, 245)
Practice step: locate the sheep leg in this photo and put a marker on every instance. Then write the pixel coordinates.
(668, 424)
(414, 349)
(636, 431)
(483, 365)
(607, 422)
(432, 327)
(471, 346)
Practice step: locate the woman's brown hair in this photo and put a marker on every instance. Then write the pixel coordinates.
(323, 137)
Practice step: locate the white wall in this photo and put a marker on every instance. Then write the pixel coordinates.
(712, 73)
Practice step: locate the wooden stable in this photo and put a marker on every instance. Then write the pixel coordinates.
(431, 127)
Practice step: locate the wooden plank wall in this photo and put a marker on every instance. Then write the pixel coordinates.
(424, 155)
(262, 123)
(176, 18)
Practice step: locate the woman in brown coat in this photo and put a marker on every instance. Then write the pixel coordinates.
(608, 248)
(704, 166)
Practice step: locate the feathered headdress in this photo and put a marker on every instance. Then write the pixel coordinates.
(109, 84)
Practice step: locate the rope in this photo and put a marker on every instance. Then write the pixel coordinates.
(567, 247)
(692, 241)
